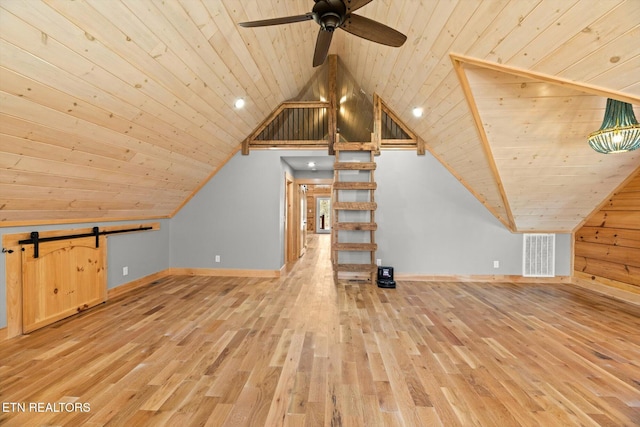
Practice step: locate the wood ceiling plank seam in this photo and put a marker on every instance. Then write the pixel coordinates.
(536, 21)
(299, 35)
(15, 191)
(269, 62)
(500, 27)
(632, 88)
(399, 18)
(89, 67)
(55, 72)
(556, 80)
(266, 78)
(383, 11)
(33, 218)
(39, 179)
(28, 64)
(36, 113)
(163, 28)
(127, 49)
(624, 75)
(602, 31)
(176, 41)
(569, 25)
(568, 170)
(10, 204)
(51, 84)
(201, 45)
(443, 73)
(450, 34)
(424, 77)
(408, 23)
(166, 59)
(17, 127)
(11, 82)
(61, 141)
(274, 44)
(255, 95)
(365, 47)
(164, 170)
(31, 164)
(226, 24)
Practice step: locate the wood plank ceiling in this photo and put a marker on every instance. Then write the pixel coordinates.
(123, 108)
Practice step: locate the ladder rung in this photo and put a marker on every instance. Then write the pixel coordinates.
(342, 185)
(366, 226)
(368, 247)
(354, 165)
(355, 206)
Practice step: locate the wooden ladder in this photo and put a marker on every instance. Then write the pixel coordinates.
(353, 245)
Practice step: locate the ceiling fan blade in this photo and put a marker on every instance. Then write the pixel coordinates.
(322, 47)
(353, 5)
(373, 30)
(278, 21)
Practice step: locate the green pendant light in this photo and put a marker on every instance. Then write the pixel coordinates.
(620, 130)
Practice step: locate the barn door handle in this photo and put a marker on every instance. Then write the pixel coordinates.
(7, 251)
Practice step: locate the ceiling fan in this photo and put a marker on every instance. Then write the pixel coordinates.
(332, 14)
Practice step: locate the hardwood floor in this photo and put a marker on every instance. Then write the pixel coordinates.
(302, 350)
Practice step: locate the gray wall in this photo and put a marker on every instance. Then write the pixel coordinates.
(238, 215)
(143, 252)
(429, 223)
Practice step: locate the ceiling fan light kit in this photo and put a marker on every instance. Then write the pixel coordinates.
(333, 14)
(620, 131)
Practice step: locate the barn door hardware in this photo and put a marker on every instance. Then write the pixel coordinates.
(7, 251)
(35, 239)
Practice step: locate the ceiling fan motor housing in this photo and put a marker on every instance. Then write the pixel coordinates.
(329, 14)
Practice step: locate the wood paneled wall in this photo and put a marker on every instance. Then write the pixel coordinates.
(607, 247)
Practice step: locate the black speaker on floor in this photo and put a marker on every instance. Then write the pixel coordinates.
(385, 278)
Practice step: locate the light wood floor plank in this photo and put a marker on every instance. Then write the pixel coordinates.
(305, 351)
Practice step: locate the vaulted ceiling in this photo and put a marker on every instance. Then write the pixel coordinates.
(124, 108)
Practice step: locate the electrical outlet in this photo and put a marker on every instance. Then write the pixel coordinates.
(125, 271)
(378, 262)
(496, 264)
(217, 258)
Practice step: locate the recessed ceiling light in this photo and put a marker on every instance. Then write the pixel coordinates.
(239, 103)
(311, 164)
(417, 112)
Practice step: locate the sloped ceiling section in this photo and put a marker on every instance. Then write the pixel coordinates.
(551, 178)
(123, 108)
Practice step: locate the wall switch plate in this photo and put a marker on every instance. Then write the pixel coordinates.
(217, 258)
(496, 264)
(125, 271)
(378, 262)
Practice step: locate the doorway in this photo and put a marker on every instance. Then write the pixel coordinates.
(323, 215)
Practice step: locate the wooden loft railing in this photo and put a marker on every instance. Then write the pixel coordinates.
(313, 124)
(391, 132)
(292, 125)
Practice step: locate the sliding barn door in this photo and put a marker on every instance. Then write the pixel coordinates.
(68, 276)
